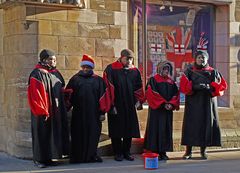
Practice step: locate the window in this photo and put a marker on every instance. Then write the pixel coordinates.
(173, 32)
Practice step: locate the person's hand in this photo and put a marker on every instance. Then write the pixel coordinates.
(201, 86)
(138, 105)
(168, 106)
(102, 117)
(46, 117)
(207, 87)
(113, 110)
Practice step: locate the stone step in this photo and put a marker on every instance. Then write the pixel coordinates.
(230, 139)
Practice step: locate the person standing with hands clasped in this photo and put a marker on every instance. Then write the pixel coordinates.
(163, 97)
(125, 91)
(201, 84)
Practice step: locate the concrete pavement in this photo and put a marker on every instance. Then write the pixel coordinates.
(220, 161)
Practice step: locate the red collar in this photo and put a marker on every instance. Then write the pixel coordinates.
(208, 68)
(118, 65)
(160, 79)
(44, 69)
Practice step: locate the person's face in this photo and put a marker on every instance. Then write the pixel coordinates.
(201, 60)
(86, 68)
(51, 61)
(165, 71)
(126, 61)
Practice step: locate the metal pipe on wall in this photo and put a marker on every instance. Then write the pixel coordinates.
(144, 42)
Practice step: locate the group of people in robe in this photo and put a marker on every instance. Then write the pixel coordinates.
(119, 93)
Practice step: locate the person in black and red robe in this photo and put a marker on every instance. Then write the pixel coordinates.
(50, 135)
(163, 97)
(89, 102)
(125, 92)
(201, 84)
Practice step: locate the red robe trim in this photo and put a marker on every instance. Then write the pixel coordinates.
(105, 102)
(175, 101)
(155, 100)
(208, 68)
(117, 65)
(39, 66)
(160, 79)
(110, 96)
(185, 85)
(219, 87)
(38, 98)
(139, 94)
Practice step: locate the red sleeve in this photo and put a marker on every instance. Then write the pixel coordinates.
(185, 85)
(104, 101)
(38, 98)
(155, 100)
(139, 94)
(110, 96)
(175, 101)
(219, 88)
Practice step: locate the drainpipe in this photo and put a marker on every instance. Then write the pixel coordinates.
(144, 42)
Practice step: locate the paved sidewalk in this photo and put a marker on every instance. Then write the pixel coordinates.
(220, 161)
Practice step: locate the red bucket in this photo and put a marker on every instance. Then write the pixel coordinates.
(150, 160)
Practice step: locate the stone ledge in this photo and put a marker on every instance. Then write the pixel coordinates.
(105, 149)
(231, 140)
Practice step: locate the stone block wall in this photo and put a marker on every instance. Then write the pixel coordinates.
(222, 48)
(100, 30)
(18, 57)
(235, 52)
(234, 29)
(2, 83)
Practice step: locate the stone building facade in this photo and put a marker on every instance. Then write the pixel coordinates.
(100, 28)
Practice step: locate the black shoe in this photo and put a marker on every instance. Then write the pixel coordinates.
(204, 156)
(163, 157)
(188, 153)
(65, 156)
(129, 157)
(51, 163)
(203, 152)
(39, 164)
(118, 157)
(187, 156)
(96, 159)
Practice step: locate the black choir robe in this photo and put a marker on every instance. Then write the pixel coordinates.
(124, 90)
(88, 100)
(201, 124)
(159, 91)
(50, 135)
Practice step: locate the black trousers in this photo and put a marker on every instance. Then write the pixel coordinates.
(121, 145)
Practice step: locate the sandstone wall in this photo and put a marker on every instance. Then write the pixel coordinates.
(19, 56)
(2, 84)
(100, 30)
